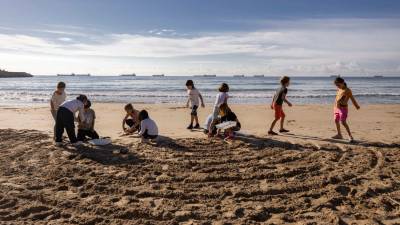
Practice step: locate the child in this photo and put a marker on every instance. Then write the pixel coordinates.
(341, 107)
(207, 124)
(227, 115)
(131, 119)
(194, 96)
(66, 119)
(56, 100)
(148, 128)
(222, 97)
(277, 103)
(86, 128)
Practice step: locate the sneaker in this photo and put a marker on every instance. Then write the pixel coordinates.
(283, 131)
(58, 144)
(78, 143)
(190, 127)
(272, 133)
(337, 136)
(197, 126)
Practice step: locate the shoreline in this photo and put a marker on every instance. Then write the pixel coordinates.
(307, 123)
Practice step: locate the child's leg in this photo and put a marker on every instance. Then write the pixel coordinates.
(81, 135)
(196, 118)
(191, 119)
(347, 128)
(282, 121)
(59, 127)
(94, 135)
(70, 127)
(273, 124)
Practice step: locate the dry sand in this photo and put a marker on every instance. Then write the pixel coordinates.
(186, 178)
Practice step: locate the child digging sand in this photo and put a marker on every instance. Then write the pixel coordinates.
(131, 119)
(193, 99)
(277, 105)
(148, 128)
(86, 128)
(341, 107)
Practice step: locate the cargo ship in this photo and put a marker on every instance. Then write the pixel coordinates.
(128, 75)
(73, 75)
(158, 75)
(7, 74)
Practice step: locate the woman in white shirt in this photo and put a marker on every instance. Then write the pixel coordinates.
(66, 118)
(148, 128)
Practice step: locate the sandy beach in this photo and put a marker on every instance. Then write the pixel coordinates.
(299, 178)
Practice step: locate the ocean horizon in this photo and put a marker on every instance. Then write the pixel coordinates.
(171, 89)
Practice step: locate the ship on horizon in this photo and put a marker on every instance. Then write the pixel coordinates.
(7, 74)
(261, 75)
(158, 75)
(128, 75)
(73, 75)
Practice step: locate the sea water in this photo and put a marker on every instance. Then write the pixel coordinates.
(171, 89)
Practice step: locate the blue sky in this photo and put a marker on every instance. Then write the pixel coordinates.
(356, 37)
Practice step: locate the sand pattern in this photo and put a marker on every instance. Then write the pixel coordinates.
(200, 181)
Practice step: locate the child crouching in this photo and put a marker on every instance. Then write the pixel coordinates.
(86, 128)
(227, 115)
(148, 128)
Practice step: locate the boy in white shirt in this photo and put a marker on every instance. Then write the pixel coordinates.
(58, 97)
(193, 98)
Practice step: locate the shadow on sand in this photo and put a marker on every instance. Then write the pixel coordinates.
(112, 154)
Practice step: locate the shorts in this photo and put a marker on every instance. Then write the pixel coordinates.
(278, 111)
(340, 114)
(194, 110)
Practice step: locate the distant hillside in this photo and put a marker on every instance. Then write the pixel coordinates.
(7, 74)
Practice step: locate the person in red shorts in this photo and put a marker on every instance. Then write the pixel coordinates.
(277, 105)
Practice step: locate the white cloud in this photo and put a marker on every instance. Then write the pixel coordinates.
(353, 46)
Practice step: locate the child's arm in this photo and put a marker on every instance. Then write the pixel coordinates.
(51, 104)
(273, 102)
(143, 127)
(202, 101)
(285, 100)
(123, 122)
(187, 102)
(353, 100)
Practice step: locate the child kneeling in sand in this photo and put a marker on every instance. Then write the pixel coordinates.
(66, 119)
(131, 119)
(148, 128)
(341, 107)
(277, 105)
(86, 128)
(227, 115)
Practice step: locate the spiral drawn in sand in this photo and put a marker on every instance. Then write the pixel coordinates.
(197, 181)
